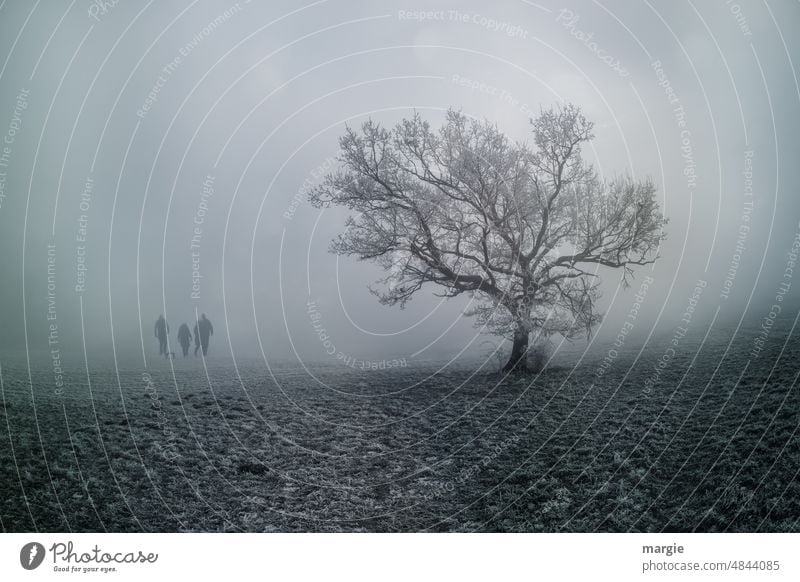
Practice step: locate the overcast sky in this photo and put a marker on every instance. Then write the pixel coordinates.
(209, 119)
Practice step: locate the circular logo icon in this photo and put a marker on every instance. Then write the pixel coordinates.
(31, 555)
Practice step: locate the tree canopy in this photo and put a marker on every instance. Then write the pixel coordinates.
(521, 227)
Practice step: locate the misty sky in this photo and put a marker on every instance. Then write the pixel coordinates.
(132, 129)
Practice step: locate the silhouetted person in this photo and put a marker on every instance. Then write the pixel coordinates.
(161, 331)
(206, 330)
(196, 339)
(184, 338)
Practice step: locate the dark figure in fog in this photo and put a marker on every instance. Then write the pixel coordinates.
(184, 338)
(206, 330)
(161, 331)
(196, 339)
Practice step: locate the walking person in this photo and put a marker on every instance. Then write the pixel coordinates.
(161, 331)
(206, 331)
(184, 338)
(196, 339)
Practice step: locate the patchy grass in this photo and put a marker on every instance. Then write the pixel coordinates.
(400, 450)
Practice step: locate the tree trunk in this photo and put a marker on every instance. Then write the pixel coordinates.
(518, 361)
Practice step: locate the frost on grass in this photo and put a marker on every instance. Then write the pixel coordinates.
(457, 452)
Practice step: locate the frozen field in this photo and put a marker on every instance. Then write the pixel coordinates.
(712, 447)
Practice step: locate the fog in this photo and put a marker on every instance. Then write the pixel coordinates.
(157, 158)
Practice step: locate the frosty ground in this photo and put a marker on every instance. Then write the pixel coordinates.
(712, 447)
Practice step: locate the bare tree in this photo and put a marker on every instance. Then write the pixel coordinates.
(515, 226)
